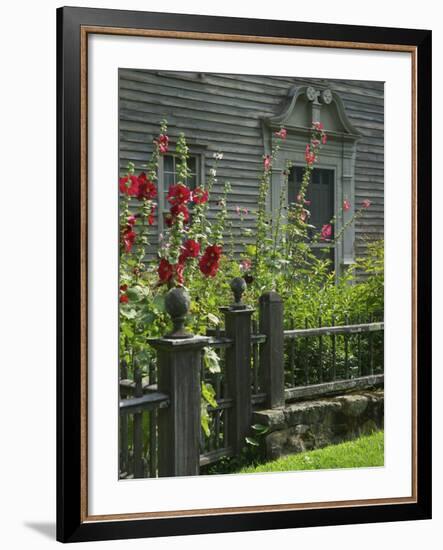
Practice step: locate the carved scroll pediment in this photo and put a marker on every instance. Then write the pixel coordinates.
(305, 104)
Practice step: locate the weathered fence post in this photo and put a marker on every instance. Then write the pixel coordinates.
(178, 367)
(272, 351)
(238, 366)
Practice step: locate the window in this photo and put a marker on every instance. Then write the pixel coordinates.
(170, 171)
(168, 176)
(321, 196)
(333, 178)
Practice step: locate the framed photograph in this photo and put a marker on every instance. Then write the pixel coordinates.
(244, 272)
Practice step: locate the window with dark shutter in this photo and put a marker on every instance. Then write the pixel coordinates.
(320, 195)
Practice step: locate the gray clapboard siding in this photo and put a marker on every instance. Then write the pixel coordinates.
(223, 113)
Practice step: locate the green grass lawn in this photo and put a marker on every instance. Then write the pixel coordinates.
(363, 452)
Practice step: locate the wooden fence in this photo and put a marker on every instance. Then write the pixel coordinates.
(261, 366)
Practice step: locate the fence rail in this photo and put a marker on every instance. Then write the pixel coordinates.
(314, 355)
(260, 365)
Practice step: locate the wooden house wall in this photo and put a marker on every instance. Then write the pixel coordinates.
(223, 113)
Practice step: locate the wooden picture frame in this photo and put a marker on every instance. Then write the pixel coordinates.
(73, 27)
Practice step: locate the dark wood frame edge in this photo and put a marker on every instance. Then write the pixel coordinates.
(73, 522)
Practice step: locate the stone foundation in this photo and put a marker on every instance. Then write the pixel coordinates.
(313, 424)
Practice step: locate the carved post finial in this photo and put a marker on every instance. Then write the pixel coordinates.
(238, 287)
(177, 303)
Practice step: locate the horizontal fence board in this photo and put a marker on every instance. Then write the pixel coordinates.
(152, 400)
(334, 387)
(325, 331)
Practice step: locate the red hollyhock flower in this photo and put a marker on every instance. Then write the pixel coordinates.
(146, 189)
(163, 143)
(174, 213)
(213, 252)
(208, 267)
(165, 271)
(151, 215)
(129, 237)
(326, 232)
(200, 196)
(131, 219)
(209, 262)
(190, 249)
(123, 288)
(124, 299)
(129, 185)
(178, 194)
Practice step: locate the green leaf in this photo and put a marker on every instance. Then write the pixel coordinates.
(128, 313)
(211, 360)
(250, 250)
(159, 302)
(208, 394)
(135, 294)
(252, 441)
(127, 330)
(204, 420)
(213, 319)
(260, 428)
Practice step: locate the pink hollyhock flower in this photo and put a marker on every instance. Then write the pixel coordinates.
(129, 185)
(315, 142)
(309, 155)
(304, 215)
(366, 203)
(179, 272)
(346, 205)
(163, 143)
(267, 162)
(326, 231)
(132, 219)
(317, 125)
(324, 138)
(299, 199)
(245, 265)
(282, 133)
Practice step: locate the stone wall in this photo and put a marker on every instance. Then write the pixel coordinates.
(313, 424)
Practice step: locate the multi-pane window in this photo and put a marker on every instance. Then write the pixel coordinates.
(170, 177)
(170, 163)
(320, 193)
